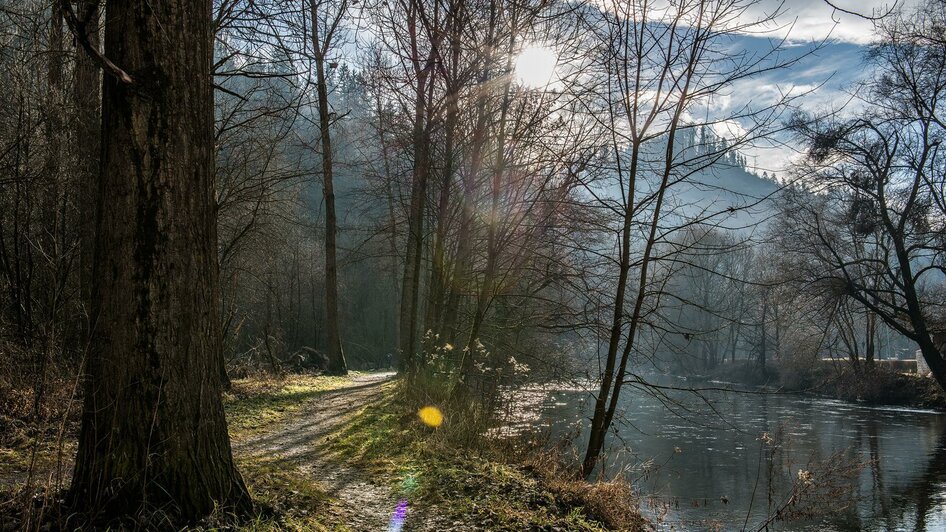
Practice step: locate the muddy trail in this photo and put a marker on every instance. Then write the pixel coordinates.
(302, 443)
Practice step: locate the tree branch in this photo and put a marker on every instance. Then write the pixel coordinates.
(77, 27)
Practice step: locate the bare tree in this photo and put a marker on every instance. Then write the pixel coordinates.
(873, 229)
(658, 63)
(325, 27)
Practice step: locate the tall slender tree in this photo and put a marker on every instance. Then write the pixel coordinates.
(659, 62)
(325, 27)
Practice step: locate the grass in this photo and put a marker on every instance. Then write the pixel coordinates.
(494, 486)
(255, 405)
(285, 499)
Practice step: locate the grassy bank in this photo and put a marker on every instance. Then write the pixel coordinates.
(872, 384)
(494, 486)
(491, 486)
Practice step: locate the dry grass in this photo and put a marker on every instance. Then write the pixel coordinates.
(611, 502)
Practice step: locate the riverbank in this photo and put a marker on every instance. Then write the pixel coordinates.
(871, 384)
(340, 453)
(494, 485)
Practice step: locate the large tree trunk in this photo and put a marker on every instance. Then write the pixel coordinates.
(153, 430)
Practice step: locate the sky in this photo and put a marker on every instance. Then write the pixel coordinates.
(815, 19)
(833, 71)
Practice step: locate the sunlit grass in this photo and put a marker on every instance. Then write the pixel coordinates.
(254, 405)
(388, 440)
(285, 499)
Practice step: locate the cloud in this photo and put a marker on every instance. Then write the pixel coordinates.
(815, 20)
(729, 129)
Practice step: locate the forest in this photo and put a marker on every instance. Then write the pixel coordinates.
(472, 265)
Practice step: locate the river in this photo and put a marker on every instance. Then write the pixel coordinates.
(730, 461)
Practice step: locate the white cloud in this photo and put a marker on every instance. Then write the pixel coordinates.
(814, 20)
(729, 129)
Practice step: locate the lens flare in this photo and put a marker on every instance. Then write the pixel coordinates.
(398, 517)
(430, 416)
(408, 484)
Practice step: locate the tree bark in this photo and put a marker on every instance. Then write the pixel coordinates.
(153, 432)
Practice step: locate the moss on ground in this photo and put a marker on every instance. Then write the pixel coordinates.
(482, 486)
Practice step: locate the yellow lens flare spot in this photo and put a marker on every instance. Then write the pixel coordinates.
(430, 416)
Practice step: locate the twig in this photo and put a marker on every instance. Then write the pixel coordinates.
(861, 15)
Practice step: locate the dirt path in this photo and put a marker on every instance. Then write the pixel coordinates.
(302, 442)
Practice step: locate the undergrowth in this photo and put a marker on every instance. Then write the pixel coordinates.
(872, 384)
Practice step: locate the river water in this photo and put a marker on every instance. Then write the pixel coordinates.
(733, 461)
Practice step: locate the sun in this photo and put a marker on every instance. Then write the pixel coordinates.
(535, 66)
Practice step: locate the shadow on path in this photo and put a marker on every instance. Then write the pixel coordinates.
(301, 443)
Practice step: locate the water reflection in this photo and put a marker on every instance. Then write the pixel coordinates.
(704, 465)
